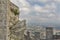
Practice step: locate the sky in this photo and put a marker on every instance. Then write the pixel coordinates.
(40, 12)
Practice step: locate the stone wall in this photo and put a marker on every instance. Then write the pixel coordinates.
(3, 19)
(10, 20)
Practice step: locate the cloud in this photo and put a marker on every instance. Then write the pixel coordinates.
(41, 11)
(57, 0)
(24, 10)
(24, 6)
(38, 8)
(43, 0)
(50, 6)
(24, 3)
(51, 15)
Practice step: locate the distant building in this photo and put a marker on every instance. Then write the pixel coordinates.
(56, 37)
(38, 29)
(37, 35)
(27, 37)
(57, 33)
(43, 33)
(49, 33)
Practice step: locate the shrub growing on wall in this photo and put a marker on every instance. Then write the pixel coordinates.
(15, 11)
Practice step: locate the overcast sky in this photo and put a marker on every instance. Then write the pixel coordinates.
(44, 12)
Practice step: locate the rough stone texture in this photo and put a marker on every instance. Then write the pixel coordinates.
(8, 20)
(17, 32)
(3, 19)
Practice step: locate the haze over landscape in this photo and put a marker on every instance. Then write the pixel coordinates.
(40, 12)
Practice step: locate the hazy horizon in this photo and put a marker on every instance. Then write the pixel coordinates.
(40, 12)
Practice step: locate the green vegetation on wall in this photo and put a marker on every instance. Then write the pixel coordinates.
(15, 11)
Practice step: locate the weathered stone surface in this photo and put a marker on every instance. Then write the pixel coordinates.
(9, 20)
(3, 19)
